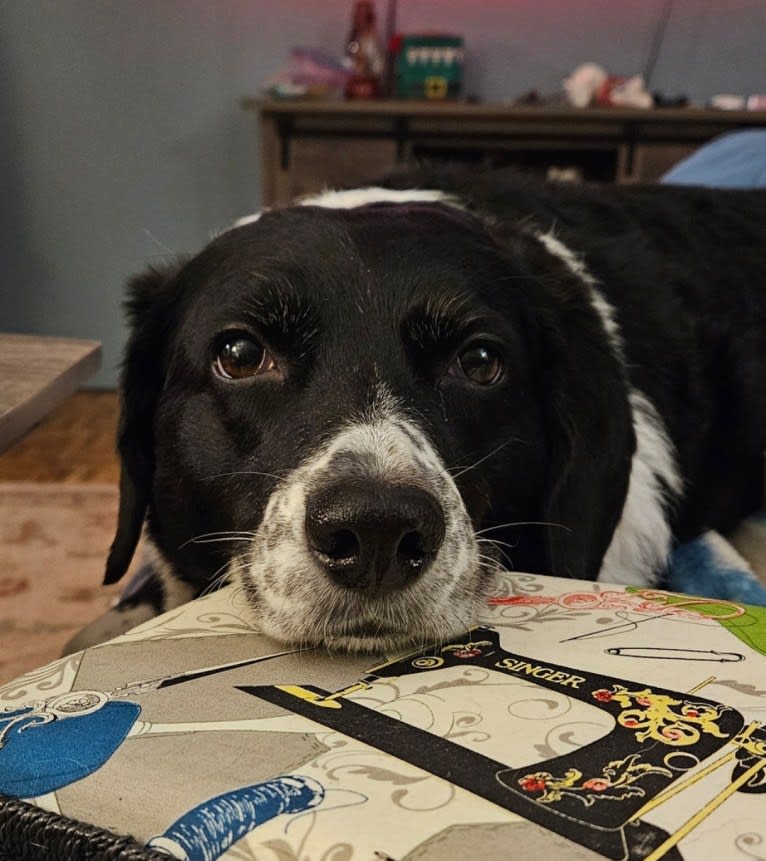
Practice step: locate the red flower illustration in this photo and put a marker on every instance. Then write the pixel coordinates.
(533, 783)
(580, 599)
(630, 722)
(603, 695)
(466, 653)
(597, 784)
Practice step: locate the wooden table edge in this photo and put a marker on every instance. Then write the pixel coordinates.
(23, 418)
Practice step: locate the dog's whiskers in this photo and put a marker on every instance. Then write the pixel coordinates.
(495, 542)
(500, 562)
(463, 469)
(497, 545)
(217, 580)
(279, 478)
(480, 555)
(492, 564)
(523, 523)
(220, 540)
(225, 535)
(226, 571)
(165, 250)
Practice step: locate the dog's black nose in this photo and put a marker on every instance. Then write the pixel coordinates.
(373, 537)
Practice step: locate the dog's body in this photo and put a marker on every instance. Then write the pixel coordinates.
(360, 408)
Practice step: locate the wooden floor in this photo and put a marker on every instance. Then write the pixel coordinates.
(75, 444)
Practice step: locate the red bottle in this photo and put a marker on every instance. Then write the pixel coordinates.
(364, 53)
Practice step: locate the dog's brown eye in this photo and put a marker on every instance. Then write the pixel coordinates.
(240, 356)
(480, 364)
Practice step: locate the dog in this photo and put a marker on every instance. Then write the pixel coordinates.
(361, 406)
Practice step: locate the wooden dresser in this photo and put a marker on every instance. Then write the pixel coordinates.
(310, 145)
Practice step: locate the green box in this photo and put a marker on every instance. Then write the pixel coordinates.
(430, 67)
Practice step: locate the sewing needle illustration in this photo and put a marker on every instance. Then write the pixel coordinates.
(707, 608)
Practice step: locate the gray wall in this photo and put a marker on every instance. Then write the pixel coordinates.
(122, 142)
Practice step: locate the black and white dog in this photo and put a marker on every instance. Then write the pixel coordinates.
(361, 405)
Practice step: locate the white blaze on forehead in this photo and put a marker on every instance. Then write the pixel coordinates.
(355, 197)
(374, 194)
(248, 219)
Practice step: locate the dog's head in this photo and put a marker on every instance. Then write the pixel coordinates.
(362, 412)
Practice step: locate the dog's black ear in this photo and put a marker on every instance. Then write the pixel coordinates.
(591, 450)
(150, 308)
(589, 425)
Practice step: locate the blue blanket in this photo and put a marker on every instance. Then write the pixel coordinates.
(713, 567)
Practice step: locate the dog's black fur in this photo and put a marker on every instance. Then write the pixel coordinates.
(685, 270)
(347, 298)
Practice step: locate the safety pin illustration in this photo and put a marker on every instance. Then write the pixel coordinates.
(663, 653)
